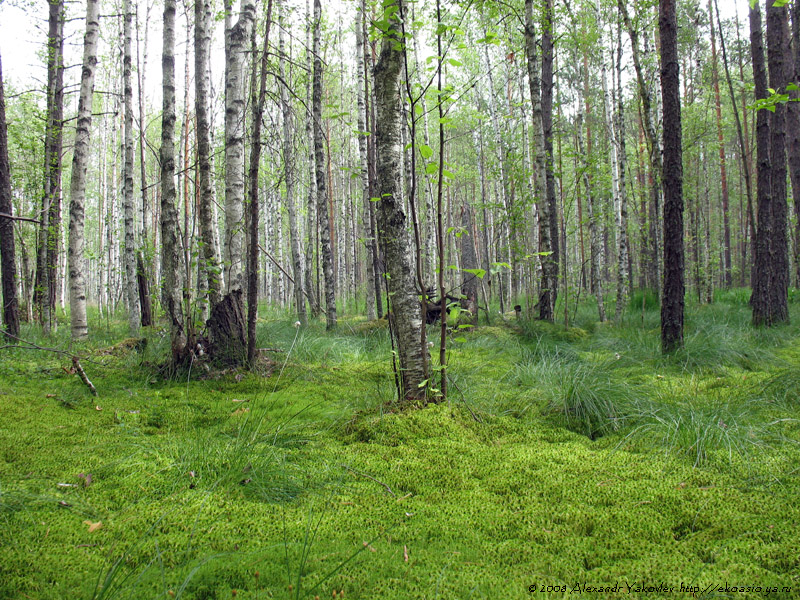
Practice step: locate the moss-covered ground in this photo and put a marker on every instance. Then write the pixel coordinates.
(563, 458)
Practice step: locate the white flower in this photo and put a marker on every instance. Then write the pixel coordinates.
(297, 324)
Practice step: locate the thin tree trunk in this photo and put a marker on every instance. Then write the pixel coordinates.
(8, 265)
(289, 173)
(322, 185)
(77, 240)
(793, 132)
(621, 213)
(369, 239)
(257, 103)
(594, 235)
(551, 262)
(727, 269)
(653, 146)
(674, 289)
(131, 283)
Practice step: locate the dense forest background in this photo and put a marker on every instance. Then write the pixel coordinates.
(525, 149)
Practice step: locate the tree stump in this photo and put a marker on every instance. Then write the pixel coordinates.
(227, 330)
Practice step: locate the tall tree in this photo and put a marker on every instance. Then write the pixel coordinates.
(723, 171)
(289, 169)
(171, 262)
(319, 167)
(653, 145)
(50, 216)
(404, 297)
(80, 161)
(205, 211)
(238, 38)
(8, 265)
(259, 79)
(131, 283)
(361, 94)
(672, 300)
(551, 261)
(770, 269)
(793, 131)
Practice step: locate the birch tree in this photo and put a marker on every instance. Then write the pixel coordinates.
(171, 262)
(404, 298)
(235, 88)
(289, 170)
(131, 287)
(8, 266)
(319, 168)
(80, 160)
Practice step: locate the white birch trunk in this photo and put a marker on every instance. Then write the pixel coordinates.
(77, 239)
(235, 90)
(131, 288)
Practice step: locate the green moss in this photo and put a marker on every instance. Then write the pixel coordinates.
(306, 478)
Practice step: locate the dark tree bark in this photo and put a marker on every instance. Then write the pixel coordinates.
(673, 290)
(550, 264)
(323, 213)
(779, 63)
(771, 267)
(8, 265)
(403, 295)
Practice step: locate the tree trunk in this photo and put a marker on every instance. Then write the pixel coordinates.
(131, 280)
(469, 262)
(768, 307)
(8, 265)
(551, 262)
(323, 214)
(653, 146)
(80, 160)
(367, 231)
(50, 216)
(549, 267)
(594, 234)
(793, 132)
(143, 273)
(727, 269)
(779, 63)
(406, 312)
(621, 213)
(171, 263)
(257, 103)
(205, 212)
(235, 88)
(290, 177)
(673, 290)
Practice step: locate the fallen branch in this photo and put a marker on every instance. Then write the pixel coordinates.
(76, 363)
(388, 489)
(82, 374)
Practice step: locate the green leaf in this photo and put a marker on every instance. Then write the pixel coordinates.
(455, 62)
(460, 339)
(426, 151)
(447, 173)
(479, 273)
(431, 168)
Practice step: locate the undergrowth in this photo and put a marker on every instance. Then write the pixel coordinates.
(563, 455)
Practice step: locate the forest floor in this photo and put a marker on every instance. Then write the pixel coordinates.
(564, 458)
